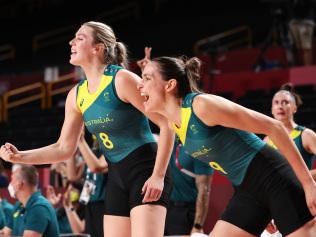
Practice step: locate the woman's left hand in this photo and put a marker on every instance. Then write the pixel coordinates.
(310, 194)
(152, 189)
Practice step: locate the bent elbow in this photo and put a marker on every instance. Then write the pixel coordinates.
(276, 127)
(65, 151)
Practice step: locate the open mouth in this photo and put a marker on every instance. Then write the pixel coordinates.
(73, 52)
(146, 96)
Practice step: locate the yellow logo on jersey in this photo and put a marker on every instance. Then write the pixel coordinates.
(193, 129)
(201, 152)
(216, 166)
(106, 96)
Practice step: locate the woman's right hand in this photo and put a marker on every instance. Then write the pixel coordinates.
(143, 62)
(9, 153)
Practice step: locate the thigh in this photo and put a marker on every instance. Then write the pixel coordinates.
(247, 213)
(307, 230)
(225, 229)
(148, 220)
(116, 226)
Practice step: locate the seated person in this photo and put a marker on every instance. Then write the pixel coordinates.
(34, 215)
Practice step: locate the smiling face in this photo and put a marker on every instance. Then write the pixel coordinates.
(283, 106)
(82, 46)
(153, 88)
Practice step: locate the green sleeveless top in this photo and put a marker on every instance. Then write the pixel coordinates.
(227, 150)
(118, 126)
(296, 135)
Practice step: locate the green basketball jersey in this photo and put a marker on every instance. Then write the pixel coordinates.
(296, 135)
(227, 150)
(118, 126)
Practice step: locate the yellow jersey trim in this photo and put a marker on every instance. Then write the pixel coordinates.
(185, 118)
(86, 99)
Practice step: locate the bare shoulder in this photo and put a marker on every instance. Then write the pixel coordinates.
(71, 98)
(309, 140)
(203, 99)
(126, 76)
(204, 102)
(205, 105)
(308, 134)
(126, 84)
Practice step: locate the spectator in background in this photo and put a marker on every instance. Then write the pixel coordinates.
(95, 176)
(3, 220)
(58, 176)
(15, 225)
(6, 210)
(4, 181)
(143, 62)
(70, 215)
(75, 211)
(39, 218)
(302, 24)
(15, 222)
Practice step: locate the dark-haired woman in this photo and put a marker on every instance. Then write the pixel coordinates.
(285, 104)
(221, 133)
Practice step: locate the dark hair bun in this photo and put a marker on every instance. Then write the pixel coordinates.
(288, 87)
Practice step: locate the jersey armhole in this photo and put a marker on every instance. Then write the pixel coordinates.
(114, 88)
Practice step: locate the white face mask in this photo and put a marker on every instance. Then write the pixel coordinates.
(11, 191)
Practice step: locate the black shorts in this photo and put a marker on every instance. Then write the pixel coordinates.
(180, 218)
(270, 190)
(126, 179)
(94, 212)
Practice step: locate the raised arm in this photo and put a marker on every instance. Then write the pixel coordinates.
(143, 62)
(95, 164)
(77, 225)
(59, 151)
